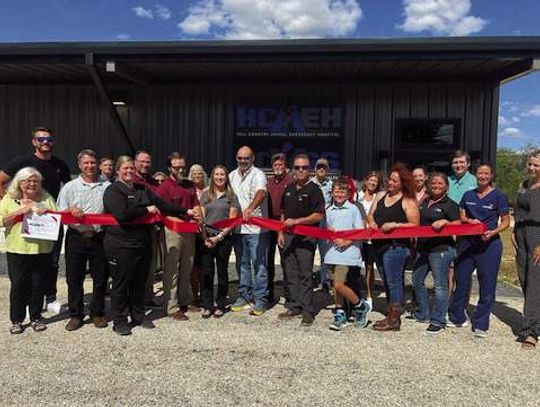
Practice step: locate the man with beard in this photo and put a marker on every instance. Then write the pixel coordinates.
(84, 243)
(55, 172)
(251, 242)
(179, 247)
(277, 183)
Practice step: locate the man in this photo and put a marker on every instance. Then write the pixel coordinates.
(324, 182)
(461, 180)
(179, 247)
(420, 177)
(84, 243)
(302, 204)
(106, 169)
(277, 183)
(251, 242)
(143, 176)
(55, 172)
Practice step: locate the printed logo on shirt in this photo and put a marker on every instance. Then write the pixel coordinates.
(470, 203)
(490, 206)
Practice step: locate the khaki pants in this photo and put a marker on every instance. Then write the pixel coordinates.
(179, 253)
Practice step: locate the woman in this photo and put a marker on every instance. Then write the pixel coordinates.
(371, 185)
(26, 258)
(198, 176)
(129, 246)
(485, 204)
(218, 203)
(393, 209)
(435, 254)
(526, 239)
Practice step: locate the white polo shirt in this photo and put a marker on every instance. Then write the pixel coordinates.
(245, 186)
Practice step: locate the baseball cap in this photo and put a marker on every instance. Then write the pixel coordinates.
(322, 161)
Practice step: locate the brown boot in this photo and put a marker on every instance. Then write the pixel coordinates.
(393, 320)
(380, 322)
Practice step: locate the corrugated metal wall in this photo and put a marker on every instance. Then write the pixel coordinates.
(198, 120)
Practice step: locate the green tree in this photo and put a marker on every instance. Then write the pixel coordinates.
(510, 172)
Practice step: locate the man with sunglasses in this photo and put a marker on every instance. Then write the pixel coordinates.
(302, 204)
(55, 173)
(323, 181)
(251, 242)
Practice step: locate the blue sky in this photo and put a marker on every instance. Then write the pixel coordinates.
(124, 20)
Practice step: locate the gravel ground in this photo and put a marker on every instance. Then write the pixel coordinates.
(240, 360)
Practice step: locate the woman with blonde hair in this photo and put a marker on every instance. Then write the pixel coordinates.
(27, 258)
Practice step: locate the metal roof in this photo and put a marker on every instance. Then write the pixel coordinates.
(164, 62)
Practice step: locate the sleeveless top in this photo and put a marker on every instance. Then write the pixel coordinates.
(527, 210)
(384, 214)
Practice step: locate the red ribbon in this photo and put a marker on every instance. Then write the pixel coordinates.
(177, 225)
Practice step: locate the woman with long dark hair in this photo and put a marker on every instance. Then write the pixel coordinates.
(218, 202)
(395, 208)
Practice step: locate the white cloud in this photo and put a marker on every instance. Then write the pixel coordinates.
(162, 12)
(515, 119)
(247, 19)
(123, 37)
(143, 12)
(503, 121)
(533, 111)
(513, 132)
(441, 17)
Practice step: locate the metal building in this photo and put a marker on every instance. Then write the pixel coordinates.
(361, 103)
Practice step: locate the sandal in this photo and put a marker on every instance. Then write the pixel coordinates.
(16, 328)
(529, 343)
(218, 313)
(38, 325)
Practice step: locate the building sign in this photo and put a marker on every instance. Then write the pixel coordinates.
(291, 129)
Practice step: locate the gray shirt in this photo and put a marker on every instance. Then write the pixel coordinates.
(84, 195)
(218, 209)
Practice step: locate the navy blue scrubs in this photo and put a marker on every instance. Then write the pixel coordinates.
(484, 256)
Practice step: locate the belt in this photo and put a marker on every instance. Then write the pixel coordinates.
(87, 234)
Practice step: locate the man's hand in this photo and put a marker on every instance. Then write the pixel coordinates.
(153, 209)
(289, 222)
(342, 243)
(281, 240)
(195, 214)
(76, 212)
(247, 213)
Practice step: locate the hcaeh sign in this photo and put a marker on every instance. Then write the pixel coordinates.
(288, 121)
(291, 129)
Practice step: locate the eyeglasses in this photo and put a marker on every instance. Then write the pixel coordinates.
(29, 181)
(243, 158)
(321, 167)
(46, 139)
(301, 168)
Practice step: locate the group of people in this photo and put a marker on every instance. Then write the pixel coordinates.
(127, 252)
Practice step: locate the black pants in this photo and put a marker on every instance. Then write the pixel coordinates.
(81, 249)
(216, 258)
(26, 272)
(298, 255)
(50, 277)
(129, 266)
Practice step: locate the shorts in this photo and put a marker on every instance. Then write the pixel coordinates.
(368, 253)
(338, 273)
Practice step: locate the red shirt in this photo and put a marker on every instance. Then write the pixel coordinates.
(148, 182)
(183, 194)
(276, 187)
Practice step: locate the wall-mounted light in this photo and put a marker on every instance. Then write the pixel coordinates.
(110, 66)
(119, 103)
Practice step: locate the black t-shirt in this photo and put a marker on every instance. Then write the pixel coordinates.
(299, 203)
(442, 209)
(54, 171)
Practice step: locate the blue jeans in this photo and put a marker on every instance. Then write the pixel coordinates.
(391, 264)
(438, 263)
(252, 250)
(322, 244)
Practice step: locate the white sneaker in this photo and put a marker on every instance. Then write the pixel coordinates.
(54, 307)
(479, 333)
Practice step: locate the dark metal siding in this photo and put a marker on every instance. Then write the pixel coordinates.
(198, 120)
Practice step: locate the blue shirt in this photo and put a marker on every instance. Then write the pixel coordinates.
(326, 188)
(487, 209)
(344, 217)
(458, 186)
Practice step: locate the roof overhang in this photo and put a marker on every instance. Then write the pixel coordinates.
(487, 59)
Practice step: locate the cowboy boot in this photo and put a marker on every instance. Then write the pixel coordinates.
(393, 320)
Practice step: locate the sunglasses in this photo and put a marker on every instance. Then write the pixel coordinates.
(321, 167)
(47, 139)
(301, 168)
(243, 158)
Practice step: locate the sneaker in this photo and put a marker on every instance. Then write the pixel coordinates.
(339, 322)
(55, 307)
(450, 324)
(289, 314)
(145, 323)
(307, 320)
(369, 301)
(16, 328)
(479, 333)
(257, 311)
(122, 329)
(433, 329)
(241, 305)
(38, 325)
(360, 314)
